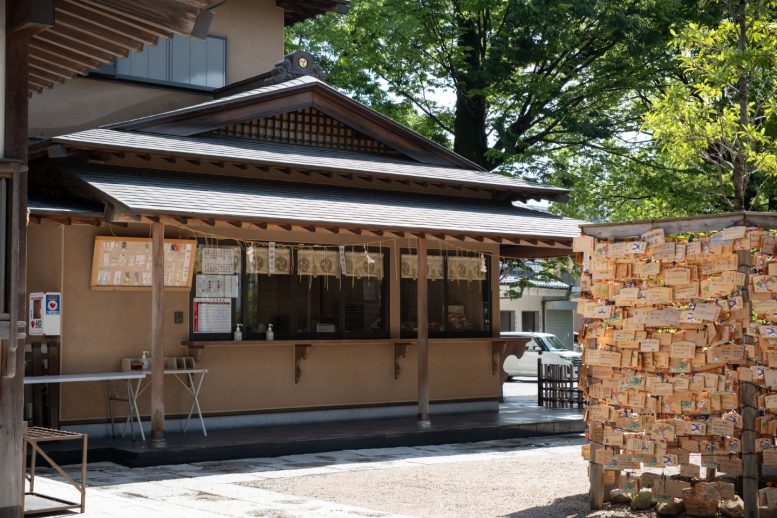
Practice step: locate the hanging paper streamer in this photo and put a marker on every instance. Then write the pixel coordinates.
(343, 265)
(271, 257)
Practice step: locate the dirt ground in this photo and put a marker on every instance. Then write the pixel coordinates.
(534, 485)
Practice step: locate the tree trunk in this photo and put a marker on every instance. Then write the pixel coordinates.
(740, 160)
(470, 123)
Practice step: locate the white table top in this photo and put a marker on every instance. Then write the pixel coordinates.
(181, 371)
(87, 376)
(103, 376)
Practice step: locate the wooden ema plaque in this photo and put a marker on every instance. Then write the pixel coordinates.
(670, 347)
(124, 263)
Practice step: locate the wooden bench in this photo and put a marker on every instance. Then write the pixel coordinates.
(37, 503)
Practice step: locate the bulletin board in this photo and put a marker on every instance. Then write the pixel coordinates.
(124, 263)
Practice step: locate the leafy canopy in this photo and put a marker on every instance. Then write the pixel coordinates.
(718, 117)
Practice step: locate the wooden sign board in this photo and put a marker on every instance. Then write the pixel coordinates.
(124, 263)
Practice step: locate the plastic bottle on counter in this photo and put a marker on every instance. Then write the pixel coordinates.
(270, 336)
(239, 333)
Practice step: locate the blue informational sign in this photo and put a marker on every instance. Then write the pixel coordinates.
(52, 303)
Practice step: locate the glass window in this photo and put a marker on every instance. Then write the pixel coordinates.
(318, 306)
(182, 60)
(303, 293)
(530, 321)
(267, 301)
(507, 321)
(458, 295)
(365, 307)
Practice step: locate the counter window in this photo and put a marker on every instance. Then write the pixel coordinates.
(314, 292)
(459, 302)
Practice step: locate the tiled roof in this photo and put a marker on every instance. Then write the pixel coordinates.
(152, 192)
(285, 155)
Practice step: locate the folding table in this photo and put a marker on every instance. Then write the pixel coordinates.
(191, 382)
(109, 377)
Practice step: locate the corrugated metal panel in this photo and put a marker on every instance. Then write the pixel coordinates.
(256, 200)
(559, 323)
(306, 157)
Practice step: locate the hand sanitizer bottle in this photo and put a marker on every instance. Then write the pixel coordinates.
(239, 333)
(269, 334)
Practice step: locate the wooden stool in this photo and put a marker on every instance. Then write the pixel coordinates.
(34, 436)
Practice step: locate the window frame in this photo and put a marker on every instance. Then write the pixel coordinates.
(110, 71)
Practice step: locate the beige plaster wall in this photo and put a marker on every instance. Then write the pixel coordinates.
(101, 327)
(254, 31)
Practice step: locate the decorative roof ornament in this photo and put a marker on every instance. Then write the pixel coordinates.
(294, 65)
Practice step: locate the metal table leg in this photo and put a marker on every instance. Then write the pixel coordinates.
(132, 402)
(194, 390)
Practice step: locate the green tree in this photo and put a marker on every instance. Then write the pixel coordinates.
(718, 117)
(525, 78)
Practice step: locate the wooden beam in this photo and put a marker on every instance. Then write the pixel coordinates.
(28, 17)
(66, 41)
(62, 56)
(165, 15)
(157, 336)
(113, 24)
(88, 41)
(46, 75)
(87, 28)
(63, 72)
(52, 60)
(532, 252)
(423, 337)
(128, 26)
(706, 223)
(38, 83)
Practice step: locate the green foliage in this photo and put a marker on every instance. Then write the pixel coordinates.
(506, 81)
(718, 116)
(629, 184)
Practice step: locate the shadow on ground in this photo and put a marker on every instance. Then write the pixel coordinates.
(573, 506)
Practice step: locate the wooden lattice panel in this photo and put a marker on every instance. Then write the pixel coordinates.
(309, 127)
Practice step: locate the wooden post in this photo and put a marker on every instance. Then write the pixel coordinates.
(747, 393)
(157, 336)
(596, 476)
(749, 456)
(423, 337)
(14, 75)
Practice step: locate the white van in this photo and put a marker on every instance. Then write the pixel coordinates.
(541, 345)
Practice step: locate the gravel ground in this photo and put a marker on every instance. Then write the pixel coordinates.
(543, 482)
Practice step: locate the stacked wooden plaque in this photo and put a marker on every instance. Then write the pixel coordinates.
(674, 324)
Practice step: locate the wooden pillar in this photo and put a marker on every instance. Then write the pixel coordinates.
(14, 77)
(747, 394)
(596, 476)
(423, 337)
(157, 336)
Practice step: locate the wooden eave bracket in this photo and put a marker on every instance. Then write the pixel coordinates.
(400, 351)
(301, 352)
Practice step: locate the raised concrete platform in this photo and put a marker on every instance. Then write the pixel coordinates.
(515, 419)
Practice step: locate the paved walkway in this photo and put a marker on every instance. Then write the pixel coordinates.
(235, 488)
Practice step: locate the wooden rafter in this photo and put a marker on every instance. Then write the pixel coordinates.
(82, 34)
